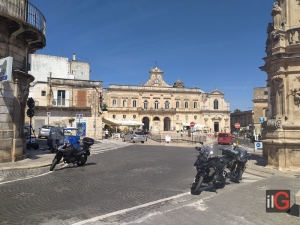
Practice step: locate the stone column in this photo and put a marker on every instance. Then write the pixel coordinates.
(12, 114)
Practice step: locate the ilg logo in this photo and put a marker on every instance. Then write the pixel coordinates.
(277, 201)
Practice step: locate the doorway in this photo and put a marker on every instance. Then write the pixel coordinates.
(156, 121)
(216, 127)
(146, 123)
(167, 124)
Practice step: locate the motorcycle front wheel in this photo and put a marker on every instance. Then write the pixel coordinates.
(197, 184)
(236, 175)
(82, 160)
(55, 161)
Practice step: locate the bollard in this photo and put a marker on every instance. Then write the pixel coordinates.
(237, 142)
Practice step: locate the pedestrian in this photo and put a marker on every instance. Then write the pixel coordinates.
(106, 134)
(181, 133)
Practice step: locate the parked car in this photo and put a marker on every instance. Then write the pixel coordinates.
(225, 138)
(44, 131)
(53, 138)
(134, 136)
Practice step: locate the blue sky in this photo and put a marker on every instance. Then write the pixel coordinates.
(209, 44)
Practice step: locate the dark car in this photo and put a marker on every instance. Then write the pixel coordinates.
(53, 138)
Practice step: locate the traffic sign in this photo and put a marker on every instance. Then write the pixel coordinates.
(258, 145)
(192, 124)
(48, 114)
(30, 113)
(30, 103)
(237, 125)
(79, 116)
(261, 119)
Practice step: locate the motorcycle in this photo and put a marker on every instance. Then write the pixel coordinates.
(238, 157)
(209, 169)
(72, 154)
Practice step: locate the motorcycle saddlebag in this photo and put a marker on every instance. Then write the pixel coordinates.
(230, 153)
(88, 141)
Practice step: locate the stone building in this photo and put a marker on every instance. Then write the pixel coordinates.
(22, 32)
(162, 107)
(281, 131)
(63, 90)
(244, 118)
(260, 102)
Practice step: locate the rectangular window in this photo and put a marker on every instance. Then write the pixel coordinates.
(265, 92)
(61, 98)
(43, 93)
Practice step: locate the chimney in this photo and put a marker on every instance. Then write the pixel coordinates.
(74, 57)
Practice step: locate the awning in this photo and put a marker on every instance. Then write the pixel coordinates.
(114, 122)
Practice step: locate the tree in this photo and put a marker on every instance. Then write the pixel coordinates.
(237, 111)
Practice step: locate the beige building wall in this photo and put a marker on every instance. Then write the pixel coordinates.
(260, 108)
(163, 107)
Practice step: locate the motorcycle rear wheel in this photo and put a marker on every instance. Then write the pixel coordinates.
(82, 160)
(197, 184)
(53, 164)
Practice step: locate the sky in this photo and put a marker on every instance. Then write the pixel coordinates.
(209, 44)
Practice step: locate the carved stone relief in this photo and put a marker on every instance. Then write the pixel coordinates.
(273, 124)
(276, 13)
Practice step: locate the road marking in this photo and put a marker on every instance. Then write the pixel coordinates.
(130, 209)
(26, 178)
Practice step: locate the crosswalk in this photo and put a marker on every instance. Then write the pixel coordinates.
(105, 145)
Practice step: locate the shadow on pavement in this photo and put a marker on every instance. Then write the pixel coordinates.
(294, 210)
(71, 166)
(259, 160)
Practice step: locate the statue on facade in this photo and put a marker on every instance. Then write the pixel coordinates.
(276, 13)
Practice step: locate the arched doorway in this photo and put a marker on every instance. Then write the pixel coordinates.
(156, 123)
(146, 123)
(167, 124)
(216, 126)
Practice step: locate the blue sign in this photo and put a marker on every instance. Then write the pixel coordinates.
(81, 128)
(261, 119)
(258, 145)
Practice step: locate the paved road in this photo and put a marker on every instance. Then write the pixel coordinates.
(137, 184)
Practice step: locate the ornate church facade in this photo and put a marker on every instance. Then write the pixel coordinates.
(164, 107)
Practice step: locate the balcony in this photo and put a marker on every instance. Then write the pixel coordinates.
(24, 17)
(156, 111)
(211, 108)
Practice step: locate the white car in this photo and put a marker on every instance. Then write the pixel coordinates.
(44, 131)
(134, 136)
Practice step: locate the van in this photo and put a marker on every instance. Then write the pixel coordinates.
(225, 138)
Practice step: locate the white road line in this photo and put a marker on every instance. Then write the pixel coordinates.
(130, 209)
(26, 178)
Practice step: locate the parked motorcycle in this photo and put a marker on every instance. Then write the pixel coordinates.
(238, 157)
(72, 154)
(209, 169)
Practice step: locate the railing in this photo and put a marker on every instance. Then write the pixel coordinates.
(178, 138)
(151, 110)
(26, 12)
(36, 18)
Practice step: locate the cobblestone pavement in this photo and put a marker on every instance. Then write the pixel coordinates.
(109, 182)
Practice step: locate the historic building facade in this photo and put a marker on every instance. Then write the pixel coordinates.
(162, 107)
(61, 91)
(281, 131)
(22, 32)
(260, 103)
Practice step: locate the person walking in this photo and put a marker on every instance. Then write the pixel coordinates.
(106, 134)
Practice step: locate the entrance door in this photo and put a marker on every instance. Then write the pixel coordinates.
(156, 121)
(167, 124)
(216, 126)
(146, 123)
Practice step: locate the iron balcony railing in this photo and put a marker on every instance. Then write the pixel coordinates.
(24, 10)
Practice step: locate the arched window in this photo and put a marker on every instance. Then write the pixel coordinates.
(134, 103)
(216, 104)
(114, 116)
(186, 105)
(124, 103)
(145, 104)
(177, 105)
(167, 105)
(156, 104)
(195, 105)
(114, 102)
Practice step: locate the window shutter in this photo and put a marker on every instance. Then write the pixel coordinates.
(67, 99)
(54, 103)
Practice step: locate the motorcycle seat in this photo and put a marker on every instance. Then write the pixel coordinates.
(78, 149)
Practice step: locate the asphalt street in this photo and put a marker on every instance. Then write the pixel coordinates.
(136, 184)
